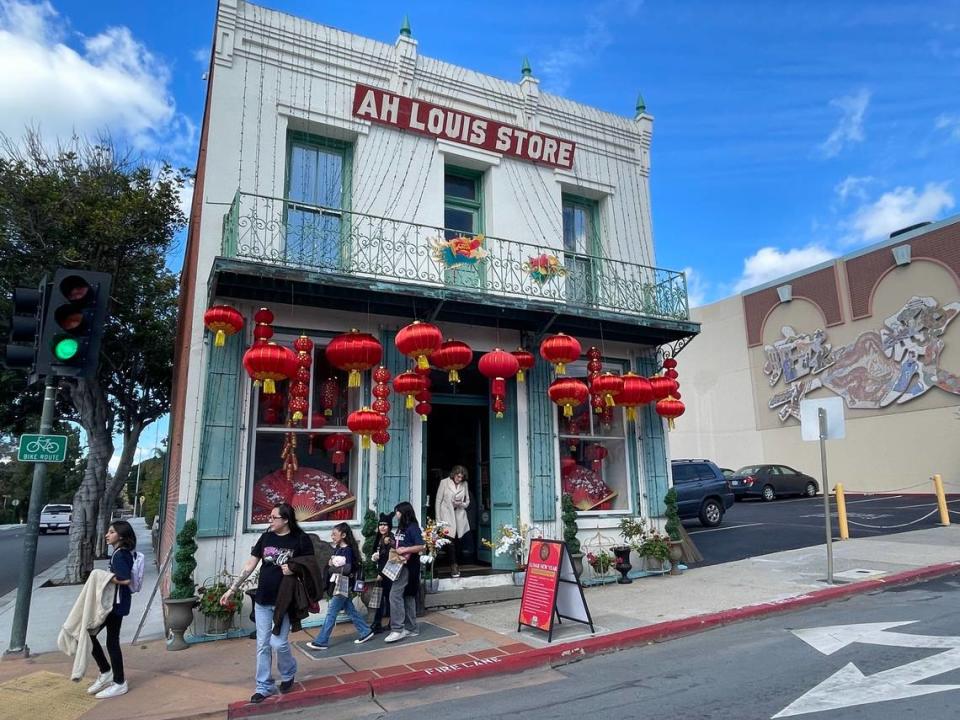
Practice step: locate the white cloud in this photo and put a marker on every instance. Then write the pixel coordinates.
(899, 208)
(186, 197)
(849, 129)
(111, 83)
(949, 123)
(769, 263)
(697, 287)
(852, 186)
(202, 56)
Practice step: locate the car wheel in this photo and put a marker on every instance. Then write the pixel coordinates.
(711, 513)
(811, 489)
(768, 493)
(43, 531)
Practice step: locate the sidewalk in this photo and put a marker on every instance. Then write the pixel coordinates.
(214, 679)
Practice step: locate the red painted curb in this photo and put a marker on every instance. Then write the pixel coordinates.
(564, 653)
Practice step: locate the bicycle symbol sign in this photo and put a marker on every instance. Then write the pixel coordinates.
(42, 448)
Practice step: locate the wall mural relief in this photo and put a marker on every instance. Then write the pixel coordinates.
(894, 365)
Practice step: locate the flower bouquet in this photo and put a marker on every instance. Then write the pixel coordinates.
(601, 561)
(544, 267)
(510, 541)
(435, 537)
(460, 250)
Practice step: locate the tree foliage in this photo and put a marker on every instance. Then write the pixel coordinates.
(568, 513)
(89, 206)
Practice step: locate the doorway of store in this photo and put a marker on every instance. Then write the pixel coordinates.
(457, 434)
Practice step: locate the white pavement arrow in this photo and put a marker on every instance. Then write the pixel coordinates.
(830, 639)
(848, 686)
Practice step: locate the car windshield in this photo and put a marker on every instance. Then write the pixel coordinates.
(748, 470)
(57, 509)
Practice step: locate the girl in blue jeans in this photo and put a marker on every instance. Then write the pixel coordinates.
(345, 560)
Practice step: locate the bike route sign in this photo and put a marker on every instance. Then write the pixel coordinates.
(42, 448)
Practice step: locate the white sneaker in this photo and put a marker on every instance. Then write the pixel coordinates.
(394, 636)
(103, 679)
(410, 633)
(113, 691)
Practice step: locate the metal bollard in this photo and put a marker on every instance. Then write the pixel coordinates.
(941, 500)
(842, 512)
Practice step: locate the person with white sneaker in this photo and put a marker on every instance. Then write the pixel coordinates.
(111, 682)
(345, 565)
(403, 592)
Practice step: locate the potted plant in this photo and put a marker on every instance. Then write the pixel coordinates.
(655, 546)
(570, 529)
(369, 532)
(218, 617)
(182, 598)
(631, 530)
(601, 561)
(434, 539)
(672, 529)
(512, 541)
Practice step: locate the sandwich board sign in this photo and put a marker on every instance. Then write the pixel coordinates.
(551, 589)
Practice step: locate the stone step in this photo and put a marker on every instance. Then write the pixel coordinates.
(472, 596)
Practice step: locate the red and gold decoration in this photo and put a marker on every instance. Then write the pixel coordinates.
(452, 356)
(609, 387)
(568, 393)
(268, 363)
(498, 366)
(423, 399)
(636, 392)
(526, 360)
(338, 445)
(461, 250)
(223, 321)
(418, 341)
(670, 406)
(408, 384)
(594, 368)
(299, 390)
(329, 395)
(317, 421)
(560, 350)
(380, 439)
(313, 494)
(596, 454)
(365, 422)
(354, 352)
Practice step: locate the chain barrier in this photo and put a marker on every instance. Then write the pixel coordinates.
(893, 527)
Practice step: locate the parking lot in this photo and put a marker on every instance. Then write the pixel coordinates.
(754, 527)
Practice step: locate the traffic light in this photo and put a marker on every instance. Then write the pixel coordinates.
(73, 323)
(26, 315)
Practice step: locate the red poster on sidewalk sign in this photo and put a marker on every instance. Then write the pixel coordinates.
(551, 589)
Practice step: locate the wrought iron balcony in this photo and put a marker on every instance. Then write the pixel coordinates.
(282, 232)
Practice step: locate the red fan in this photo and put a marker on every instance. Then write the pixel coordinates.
(314, 495)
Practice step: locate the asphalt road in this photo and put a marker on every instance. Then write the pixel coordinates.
(754, 527)
(785, 666)
(50, 549)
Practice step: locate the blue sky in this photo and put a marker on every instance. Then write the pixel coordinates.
(785, 133)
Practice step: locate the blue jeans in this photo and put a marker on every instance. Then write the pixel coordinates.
(267, 643)
(336, 604)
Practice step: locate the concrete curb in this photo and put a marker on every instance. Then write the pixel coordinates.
(564, 653)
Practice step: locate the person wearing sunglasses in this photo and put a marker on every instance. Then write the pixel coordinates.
(283, 541)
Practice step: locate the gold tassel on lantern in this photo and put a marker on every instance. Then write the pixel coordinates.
(353, 379)
(269, 388)
(220, 339)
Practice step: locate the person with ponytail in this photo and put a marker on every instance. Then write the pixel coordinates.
(345, 565)
(403, 593)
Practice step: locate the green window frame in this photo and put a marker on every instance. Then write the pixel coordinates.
(317, 201)
(581, 248)
(463, 206)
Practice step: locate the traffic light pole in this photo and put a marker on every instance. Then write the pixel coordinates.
(18, 632)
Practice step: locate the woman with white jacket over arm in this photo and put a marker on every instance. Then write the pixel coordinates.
(453, 499)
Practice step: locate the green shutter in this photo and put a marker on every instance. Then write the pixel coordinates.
(393, 471)
(217, 475)
(653, 446)
(504, 472)
(543, 476)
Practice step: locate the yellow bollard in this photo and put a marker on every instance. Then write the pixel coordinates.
(941, 500)
(842, 512)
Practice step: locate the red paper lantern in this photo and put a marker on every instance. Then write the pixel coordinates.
(381, 405)
(608, 386)
(364, 422)
(663, 387)
(498, 366)
(452, 356)
(418, 341)
(670, 408)
(408, 384)
(380, 438)
(560, 350)
(596, 454)
(526, 360)
(268, 363)
(317, 420)
(568, 393)
(670, 363)
(636, 391)
(329, 395)
(338, 445)
(263, 316)
(381, 375)
(303, 344)
(354, 351)
(223, 321)
(423, 410)
(298, 406)
(262, 333)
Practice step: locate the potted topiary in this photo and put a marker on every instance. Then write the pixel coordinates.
(369, 531)
(673, 530)
(570, 529)
(182, 598)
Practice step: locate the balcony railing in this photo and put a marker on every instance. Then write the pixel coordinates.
(290, 234)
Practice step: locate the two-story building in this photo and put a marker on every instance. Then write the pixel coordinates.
(345, 183)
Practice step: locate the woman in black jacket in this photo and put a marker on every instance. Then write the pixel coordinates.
(344, 565)
(381, 553)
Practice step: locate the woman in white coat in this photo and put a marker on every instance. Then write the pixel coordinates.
(453, 499)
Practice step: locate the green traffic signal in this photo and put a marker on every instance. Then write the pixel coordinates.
(65, 348)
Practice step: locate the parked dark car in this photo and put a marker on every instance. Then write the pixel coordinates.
(702, 491)
(769, 481)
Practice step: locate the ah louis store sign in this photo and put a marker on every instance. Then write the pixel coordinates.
(386, 108)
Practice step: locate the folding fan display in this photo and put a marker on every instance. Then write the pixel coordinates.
(314, 495)
(586, 489)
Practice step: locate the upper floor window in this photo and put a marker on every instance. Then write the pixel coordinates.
(463, 216)
(581, 246)
(317, 188)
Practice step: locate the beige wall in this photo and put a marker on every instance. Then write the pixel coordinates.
(896, 448)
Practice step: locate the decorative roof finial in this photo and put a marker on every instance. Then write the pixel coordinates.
(526, 71)
(641, 105)
(405, 28)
